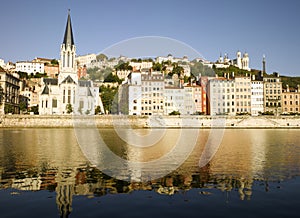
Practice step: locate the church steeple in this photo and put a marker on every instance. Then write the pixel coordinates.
(68, 38)
(68, 50)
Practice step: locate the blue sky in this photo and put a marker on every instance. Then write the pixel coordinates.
(35, 28)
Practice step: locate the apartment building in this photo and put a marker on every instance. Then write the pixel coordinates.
(221, 96)
(272, 94)
(290, 100)
(242, 95)
(257, 97)
(30, 67)
(192, 99)
(152, 93)
(174, 99)
(9, 93)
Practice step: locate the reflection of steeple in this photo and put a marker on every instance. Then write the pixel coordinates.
(64, 194)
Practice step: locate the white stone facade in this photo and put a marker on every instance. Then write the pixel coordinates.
(257, 97)
(30, 67)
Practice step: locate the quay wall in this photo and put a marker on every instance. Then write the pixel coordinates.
(108, 121)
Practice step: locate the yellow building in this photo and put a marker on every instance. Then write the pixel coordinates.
(290, 100)
(272, 94)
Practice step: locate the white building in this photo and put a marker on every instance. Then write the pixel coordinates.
(192, 99)
(142, 94)
(170, 57)
(174, 99)
(221, 96)
(60, 95)
(130, 94)
(242, 62)
(152, 93)
(30, 67)
(141, 65)
(257, 97)
(2, 63)
(86, 59)
(33, 97)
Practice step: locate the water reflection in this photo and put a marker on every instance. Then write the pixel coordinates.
(50, 159)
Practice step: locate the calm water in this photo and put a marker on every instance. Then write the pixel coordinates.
(254, 173)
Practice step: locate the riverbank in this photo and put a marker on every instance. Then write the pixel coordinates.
(109, 121)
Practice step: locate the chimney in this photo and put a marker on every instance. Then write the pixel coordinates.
(287, 88)
(253, 77)
(232, 74)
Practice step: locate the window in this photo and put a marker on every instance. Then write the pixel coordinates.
(64, 96)
(69, 96)
(54, 103)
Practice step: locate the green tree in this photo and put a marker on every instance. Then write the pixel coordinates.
(34, 109)
(54, 62)
(123, 66)
(174, 113)
(109, 97)
(69, 108)
(110, 78)
(157, 67)
(8, 109)
(23, 106)
(1, 95)
(101, 57)
(97, 110)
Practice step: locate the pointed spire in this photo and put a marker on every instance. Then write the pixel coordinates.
(68, 38)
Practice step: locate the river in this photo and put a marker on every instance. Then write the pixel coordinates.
(149, 173)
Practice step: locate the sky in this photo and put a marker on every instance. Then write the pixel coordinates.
(35, 28)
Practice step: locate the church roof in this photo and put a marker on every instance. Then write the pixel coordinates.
(68, 79)
(50, 81)
(85, 83)
(68, 38)
(89, 93)
(46, 90)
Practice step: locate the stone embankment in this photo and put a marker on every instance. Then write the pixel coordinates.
(108, 121)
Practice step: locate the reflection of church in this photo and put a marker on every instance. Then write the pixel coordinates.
(67, 93)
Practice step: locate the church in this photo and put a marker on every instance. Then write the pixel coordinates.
(67, 94)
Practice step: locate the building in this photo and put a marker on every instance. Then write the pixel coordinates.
(9, 93)
(192, 99)
(141, 65)
(130, 94)
(51, 70)
(221, 96)
(122, 74)
(241, 61)
(242, 95)
(86, 60)
(30, 67)
(257, 97)
(172, 59)
(272, 94)
(32, 95)
(174, 99)
(152, 93)
(290, 100)
(68, 94)
(142, 94)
